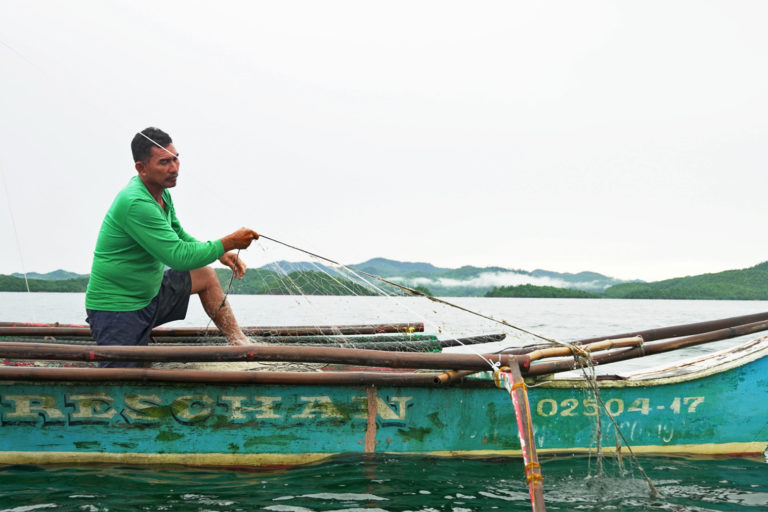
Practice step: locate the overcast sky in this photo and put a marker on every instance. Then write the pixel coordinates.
(627, 138)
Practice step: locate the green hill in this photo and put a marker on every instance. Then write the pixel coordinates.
(529, 290)
(305, 282)
(469, 281)
(56, 275)
(17, 284)
(745, 284)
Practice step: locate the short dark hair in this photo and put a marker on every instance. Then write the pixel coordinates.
(141, 145)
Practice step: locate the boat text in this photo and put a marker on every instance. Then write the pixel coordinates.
(148, 409)
(615, 406)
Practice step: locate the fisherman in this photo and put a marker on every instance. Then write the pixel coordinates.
(129, 292)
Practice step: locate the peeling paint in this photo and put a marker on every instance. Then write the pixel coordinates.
(417, 433)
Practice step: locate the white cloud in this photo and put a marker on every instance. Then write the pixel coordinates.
(491, 279)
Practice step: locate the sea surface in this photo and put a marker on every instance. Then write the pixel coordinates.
(387, 483)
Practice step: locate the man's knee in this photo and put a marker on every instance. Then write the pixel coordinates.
(203, 279)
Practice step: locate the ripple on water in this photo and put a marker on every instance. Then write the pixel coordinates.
(392, 484)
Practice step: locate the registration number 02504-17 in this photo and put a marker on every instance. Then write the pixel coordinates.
(615, 406)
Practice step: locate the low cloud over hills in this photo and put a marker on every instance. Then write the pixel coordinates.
(475, 281)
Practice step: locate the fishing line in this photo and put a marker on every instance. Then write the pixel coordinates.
(412, 291)
(419, 293)
(648, 481)
(345, 285)
(18, 53)
(583, 357)
(13, 225)
(226, 293)
(375, 277)
(156, 144)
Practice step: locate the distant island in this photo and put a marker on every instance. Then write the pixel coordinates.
(307, 278)
(540, 292)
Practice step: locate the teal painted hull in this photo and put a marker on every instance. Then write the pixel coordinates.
(720, 410)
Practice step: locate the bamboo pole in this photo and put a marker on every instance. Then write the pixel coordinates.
(660, 332)
(327, 330)
(511, 379)
(103, 375)
(331, 355)
(39, 324)
(396, 343)
(645, 349)
(526, 359)
(592, 347)
(456, 362)
(675, 331)
(414, 345)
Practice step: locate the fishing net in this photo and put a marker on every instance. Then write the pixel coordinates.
(394, 311)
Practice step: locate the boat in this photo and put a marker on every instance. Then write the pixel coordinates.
(56, 408)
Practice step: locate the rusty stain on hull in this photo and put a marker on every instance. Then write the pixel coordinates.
(370, 433)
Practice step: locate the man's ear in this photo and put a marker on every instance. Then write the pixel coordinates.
(139, 166)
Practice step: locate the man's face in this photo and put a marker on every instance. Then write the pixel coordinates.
(161, 169)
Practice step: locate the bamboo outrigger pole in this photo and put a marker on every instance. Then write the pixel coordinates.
(510, 379)
(327, 330)
(101, 375)
(458, 364)
(661, 333)
(646, 349)
(293, 354)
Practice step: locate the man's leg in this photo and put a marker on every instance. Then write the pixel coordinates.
(131, 328)
(207, 286)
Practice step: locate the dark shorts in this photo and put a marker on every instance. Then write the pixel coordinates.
(134, 327)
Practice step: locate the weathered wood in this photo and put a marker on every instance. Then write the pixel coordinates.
(645, 349)
(395, 343)
(301, 330)
(150, 418)
(592, 347)
(675, 331)
(525, 360)
(511, 379)
(51, 351)
(343, 378)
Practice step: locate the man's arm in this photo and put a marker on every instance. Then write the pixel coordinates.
(145, 223)
(236, 240)
(240, 239)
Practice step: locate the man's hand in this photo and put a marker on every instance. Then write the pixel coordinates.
(237, 265)
(240, 239)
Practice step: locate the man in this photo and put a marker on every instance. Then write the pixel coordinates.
(129, 292)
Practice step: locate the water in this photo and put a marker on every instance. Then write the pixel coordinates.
(386, 483)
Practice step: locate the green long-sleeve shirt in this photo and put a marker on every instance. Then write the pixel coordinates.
(138, 238)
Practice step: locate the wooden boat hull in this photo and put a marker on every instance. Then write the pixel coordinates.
(716, 407)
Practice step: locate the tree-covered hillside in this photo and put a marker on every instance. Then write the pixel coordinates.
(302, 282)
(529, 290)
(297, 278)
(469, 281)
(17, 284)
(745, 284)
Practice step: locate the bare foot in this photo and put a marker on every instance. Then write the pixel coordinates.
(240, 341)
